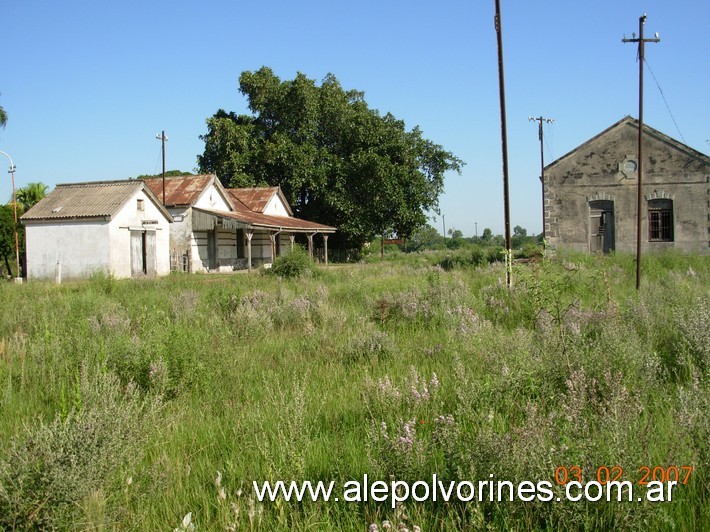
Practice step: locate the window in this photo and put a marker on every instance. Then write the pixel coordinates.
(140, 205)
(660, 220)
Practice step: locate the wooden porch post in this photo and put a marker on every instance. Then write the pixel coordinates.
(325, 243)
(249, 234)
(310, 244)
(292, 238)
(272, 237)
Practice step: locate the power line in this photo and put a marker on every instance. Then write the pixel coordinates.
(664, 100)
(550, 145)
(157, 161)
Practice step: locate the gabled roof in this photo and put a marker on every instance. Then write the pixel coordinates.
(185, 190)
(628, 121)
(257, 198)
(94, 200)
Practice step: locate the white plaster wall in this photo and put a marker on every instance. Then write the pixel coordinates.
(261, 245)
(181, 228)
(119, 234)
(275, 207)
(81, 249)
(227, 244)
(198, 249)
(211, 198)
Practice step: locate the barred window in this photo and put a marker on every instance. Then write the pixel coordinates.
(660, 220)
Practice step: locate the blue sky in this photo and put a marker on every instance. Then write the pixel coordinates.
(88, 84)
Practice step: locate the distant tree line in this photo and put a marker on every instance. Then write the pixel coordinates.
(428, 238)
(168, 173)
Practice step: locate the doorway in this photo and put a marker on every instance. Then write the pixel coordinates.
(601, 226)
(143, 256)
(212, 249)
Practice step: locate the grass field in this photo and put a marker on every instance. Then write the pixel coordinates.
(130, 404)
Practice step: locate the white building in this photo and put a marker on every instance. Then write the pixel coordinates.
(218, 229)
(118, 227)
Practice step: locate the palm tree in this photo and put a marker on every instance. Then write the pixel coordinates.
(30, 194)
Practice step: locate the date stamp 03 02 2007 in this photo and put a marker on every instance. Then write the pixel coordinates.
(606, 474)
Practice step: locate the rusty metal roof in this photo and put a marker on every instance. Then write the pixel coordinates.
(99, 199)
(180, 190)
(257, 198)
(185, 190)
(284, 223)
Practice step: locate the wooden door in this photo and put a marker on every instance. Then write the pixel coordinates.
(151, 259)
(601, 226)
(137, 254)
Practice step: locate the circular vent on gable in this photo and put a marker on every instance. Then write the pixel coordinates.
(630, 166)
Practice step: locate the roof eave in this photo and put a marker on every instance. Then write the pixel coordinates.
(30, 221)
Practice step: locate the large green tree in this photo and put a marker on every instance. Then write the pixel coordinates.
(338, 161)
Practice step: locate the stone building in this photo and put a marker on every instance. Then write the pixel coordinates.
(590, 194)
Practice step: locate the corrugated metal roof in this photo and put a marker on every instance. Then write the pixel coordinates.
(180, 190)
(286, 223)
(256, 198)
(100, 199)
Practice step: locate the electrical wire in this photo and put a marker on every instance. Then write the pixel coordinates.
(549, 145)
(157, 161)
(664, 100)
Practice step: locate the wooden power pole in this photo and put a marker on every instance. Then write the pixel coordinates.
(639, 194)
(163, 138)
(504, 143)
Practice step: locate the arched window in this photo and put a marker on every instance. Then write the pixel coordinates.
(660, 220)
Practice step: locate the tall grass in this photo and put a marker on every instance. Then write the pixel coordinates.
(194, 386)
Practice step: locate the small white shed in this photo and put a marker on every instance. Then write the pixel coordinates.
(118, 227)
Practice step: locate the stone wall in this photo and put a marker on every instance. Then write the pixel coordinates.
(605, 169)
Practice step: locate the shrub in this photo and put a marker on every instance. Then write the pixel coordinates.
(54, 469)
(367, 343)
(469, 257)
(293, 264)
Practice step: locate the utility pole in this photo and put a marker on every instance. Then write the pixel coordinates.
(14, 206)
(540, 120)
(443, 220)
(163, 138)
(641, 42)
(504, 142)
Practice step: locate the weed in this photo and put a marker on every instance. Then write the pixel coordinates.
(54, 469)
